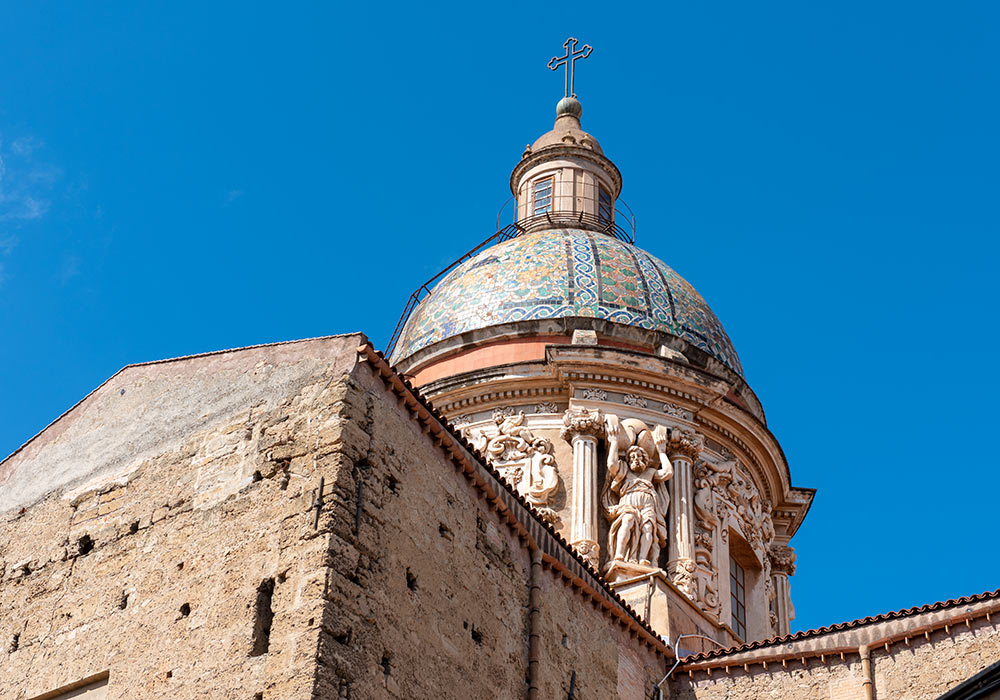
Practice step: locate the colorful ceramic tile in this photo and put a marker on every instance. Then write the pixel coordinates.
(561, 273)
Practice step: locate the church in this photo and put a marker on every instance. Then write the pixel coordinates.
(556, 482)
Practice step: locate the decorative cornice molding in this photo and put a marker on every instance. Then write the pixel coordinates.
(529, 395)
(576, 376)
(635, 400)
(675, 411)
(591, 394)
(522, 518)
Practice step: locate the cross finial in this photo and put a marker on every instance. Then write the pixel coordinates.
(571, 57)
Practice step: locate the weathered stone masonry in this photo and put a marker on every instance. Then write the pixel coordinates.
(914, 654)
(163, 533)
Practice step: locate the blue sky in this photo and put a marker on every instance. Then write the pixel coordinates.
(181, 177)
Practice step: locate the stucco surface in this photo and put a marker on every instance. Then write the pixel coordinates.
(147, 409)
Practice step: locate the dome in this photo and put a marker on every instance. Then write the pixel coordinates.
(551, 274)
(566, 132)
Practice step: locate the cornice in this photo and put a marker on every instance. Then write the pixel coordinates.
(648, 386)
(523, 519)
(551, 153)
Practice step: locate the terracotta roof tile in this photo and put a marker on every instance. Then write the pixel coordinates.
(841, 626)
(568, 553)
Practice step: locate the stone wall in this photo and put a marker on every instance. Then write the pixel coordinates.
(170, 543)
(173, 523)
(921, 669)
(443, 589)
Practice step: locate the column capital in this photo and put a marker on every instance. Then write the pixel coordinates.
(684, 443)
(782, 559)
(582, 421)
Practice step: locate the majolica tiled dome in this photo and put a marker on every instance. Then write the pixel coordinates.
(565, 273)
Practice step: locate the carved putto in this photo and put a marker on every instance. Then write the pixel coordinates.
(635, 497)
(524, 461)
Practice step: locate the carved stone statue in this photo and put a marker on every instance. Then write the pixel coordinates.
(524, 461)
(635, 497)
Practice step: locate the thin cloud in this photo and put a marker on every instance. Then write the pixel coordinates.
(25, 180)
(26, 145)
(70, 268)
(7, 243)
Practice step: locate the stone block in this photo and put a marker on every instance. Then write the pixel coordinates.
(582, 337)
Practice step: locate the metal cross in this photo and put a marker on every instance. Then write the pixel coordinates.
(571, 57)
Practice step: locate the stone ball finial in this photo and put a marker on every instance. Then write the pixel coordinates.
(570, 106)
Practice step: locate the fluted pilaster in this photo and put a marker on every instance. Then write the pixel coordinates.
(582, 430)
(782, 566)
(683, 448)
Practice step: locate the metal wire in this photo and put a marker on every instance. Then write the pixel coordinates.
(677, 662)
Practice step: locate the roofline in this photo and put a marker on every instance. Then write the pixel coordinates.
(164, 361)
(695, 659)
(511, 506)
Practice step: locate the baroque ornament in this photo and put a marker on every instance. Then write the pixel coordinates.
(582, 421)
(634, 400)
(595, 394)
(546, 407)
(677, 412)
(706, 581)
(684, 443)
(725, 497)
(460, 421)
(635, 497)
(682, 574)
(782, 559)
(523, 461)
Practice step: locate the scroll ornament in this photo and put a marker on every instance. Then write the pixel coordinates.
(524, 461)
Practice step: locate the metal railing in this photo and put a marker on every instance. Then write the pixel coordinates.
(566, 210)
(535, 222)
(504, 234)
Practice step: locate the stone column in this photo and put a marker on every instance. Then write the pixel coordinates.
(683, 448)
(782, 566)
(582, 430)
